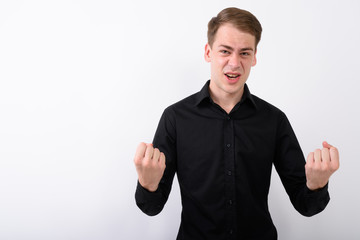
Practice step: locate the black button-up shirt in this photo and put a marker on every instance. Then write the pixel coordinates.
(223, 164)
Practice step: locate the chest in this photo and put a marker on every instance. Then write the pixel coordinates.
(207, 148)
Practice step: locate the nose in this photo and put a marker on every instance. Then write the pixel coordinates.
(234, 61)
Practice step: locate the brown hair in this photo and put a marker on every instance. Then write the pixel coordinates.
(241, 19)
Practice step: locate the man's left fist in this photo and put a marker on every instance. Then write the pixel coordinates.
(320, 165)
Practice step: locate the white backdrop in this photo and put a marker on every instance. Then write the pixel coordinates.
(83, 82)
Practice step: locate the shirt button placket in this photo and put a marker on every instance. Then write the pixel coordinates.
(229, 172)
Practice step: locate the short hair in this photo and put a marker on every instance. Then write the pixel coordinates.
(241, 19)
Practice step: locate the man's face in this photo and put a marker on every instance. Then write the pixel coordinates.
(231, 57)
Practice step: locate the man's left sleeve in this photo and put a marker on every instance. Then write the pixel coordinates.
(290, 164)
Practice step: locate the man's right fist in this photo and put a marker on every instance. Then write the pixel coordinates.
(150, 166)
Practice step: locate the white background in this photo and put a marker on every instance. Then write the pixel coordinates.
(83, 82)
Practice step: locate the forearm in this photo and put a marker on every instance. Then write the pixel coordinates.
(308, 202)
(151, 203)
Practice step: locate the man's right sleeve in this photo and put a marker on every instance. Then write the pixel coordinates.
(151, 203)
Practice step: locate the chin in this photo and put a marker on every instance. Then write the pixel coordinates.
(238, 85)
(232, 89)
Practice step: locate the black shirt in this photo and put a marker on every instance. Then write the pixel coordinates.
(223, 164)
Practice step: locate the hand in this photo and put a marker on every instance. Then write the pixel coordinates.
(320, 165)
(150, 166)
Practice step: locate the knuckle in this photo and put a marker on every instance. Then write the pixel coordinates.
(316, 167)
(324, 167)
(145, 159)
(334, 151)
(147, 164)
(335, 167)
(141, 147)
(156, 153)
(163, 166)
(137, 161)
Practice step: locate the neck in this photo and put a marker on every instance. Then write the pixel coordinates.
(226, 101)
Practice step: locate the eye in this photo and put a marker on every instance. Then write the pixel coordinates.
(224, 52)
(245, 54)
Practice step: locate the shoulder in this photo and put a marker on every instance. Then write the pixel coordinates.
(191, 102)
(267, 108)
(184, 104)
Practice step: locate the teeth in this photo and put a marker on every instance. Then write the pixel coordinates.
(232, 76)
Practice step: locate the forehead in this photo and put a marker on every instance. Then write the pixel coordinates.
(229, 35)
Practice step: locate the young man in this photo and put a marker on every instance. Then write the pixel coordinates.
(222, 142)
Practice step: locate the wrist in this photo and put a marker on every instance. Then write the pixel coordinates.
(149, 187)
(315, 187)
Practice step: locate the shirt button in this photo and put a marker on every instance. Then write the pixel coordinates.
(229, 173)
(230, 202)
(231, 232)
(228, 118)
(228, 145)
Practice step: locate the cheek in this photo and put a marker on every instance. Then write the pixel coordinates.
(247, 66)
(217, 65)
(221, 64)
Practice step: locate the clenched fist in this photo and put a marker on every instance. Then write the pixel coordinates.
(320, 165)
(150, 166)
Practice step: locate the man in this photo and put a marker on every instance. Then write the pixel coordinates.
(222, 142)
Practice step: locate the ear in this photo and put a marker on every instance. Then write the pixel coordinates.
(254, 59)
(207, 54)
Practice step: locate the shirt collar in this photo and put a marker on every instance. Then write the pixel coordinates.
(205, 94)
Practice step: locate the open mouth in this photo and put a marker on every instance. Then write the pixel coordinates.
(232, 76)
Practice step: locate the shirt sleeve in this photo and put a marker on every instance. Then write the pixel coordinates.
(290, 165)
(151, 203)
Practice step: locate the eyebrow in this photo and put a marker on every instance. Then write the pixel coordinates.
(241, 50)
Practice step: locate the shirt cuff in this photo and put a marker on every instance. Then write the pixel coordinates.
(149, 202)
(144, 196)
(139, 187)
(320, 191)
